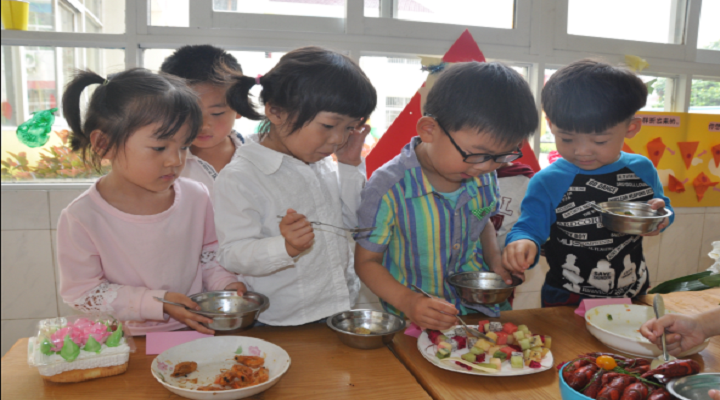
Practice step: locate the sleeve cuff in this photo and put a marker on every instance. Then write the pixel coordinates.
(368, 245)
(347, 170)
(151, 309)
(277, 252)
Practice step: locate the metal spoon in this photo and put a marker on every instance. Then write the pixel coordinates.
(172, 303)
(351, 230)
(659, 308)
(470, 331)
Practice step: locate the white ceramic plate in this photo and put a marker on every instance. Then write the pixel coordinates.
(211, 355)
(427, 349)
(621, 331)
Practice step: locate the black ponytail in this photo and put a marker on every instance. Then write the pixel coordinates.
(238, 97)
(79, 140)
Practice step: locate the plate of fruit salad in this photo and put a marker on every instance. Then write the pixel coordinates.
(516, 351)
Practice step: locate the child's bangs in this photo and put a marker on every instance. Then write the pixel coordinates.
(581, 114)
(171, 111)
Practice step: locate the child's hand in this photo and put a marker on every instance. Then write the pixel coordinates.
(429, 313)
(505, 274)
(350, 152)
(519, 256)
(182, 315)
(297, 231)
(239, 286)
(655, 204)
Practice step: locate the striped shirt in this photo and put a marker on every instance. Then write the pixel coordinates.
(424, 237)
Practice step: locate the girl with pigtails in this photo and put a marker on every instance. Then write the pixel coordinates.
(140, 231)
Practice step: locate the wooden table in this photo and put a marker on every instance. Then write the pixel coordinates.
(569, 337)
(689, 303)
(322, 368)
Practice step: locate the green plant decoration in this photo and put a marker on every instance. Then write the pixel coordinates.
(36, 131)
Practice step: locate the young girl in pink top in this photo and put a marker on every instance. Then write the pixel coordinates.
(140, 231)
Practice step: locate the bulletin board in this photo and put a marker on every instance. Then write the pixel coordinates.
(685, 149)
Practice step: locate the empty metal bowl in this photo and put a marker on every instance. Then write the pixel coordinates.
(631, 218)
(352, 328)
(484, 288)
(230, 311)
(694, 387)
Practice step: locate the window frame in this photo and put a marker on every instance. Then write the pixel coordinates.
(539, 40)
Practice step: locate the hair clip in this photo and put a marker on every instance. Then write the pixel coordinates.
(434, 69)
(106, 82)
(257, 79)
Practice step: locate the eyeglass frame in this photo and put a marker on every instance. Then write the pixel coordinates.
(487, 157)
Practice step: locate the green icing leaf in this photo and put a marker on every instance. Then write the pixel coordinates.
(114, 339)
(36, 131)
(45, 347)
(70, 350)
(239, 350)
(92, 345)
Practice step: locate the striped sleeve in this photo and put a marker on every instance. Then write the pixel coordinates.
(494, 186)
(376, 211)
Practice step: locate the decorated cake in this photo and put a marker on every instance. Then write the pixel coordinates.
(79, 349)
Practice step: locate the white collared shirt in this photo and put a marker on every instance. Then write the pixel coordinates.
(250, 193)
(201, 171)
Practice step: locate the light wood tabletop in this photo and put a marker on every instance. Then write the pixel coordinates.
(687, 302)
(569, 339)
(322, 368)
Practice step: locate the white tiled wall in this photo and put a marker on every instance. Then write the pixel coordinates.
(29, 270)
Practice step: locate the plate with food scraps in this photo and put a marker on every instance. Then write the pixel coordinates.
(618, 327)
(517, 350)
(220, 368)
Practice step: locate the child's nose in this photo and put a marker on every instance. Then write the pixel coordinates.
(338, 137)
(175, 158)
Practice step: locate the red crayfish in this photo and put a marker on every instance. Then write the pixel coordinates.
(673, 369)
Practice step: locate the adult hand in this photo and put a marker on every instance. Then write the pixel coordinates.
(239, 286)
(351, 152)
(682, 332)
(182, 315)
(656, 204)
(429, 313)
(297, 231)
(714, 394)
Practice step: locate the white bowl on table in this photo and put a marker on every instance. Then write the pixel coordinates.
(621, 332)
(213, 354)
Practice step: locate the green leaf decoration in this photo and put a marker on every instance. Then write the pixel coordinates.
(92, 345)
(114, 339)
(482, 212)
(689, 283)
(239, 350)
(70, 350)
(711, 281)
(45, 347)
(36, 131)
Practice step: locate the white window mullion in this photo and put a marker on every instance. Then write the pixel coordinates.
(692, 26)
(132, 20)
(201, 14)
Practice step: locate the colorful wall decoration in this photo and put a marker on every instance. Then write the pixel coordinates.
(685, 149)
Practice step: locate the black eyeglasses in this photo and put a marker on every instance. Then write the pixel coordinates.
(480, 158)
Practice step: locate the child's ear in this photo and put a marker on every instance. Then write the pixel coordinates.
(276, 115)
(99, 144)
(238, 116)
(633, 127)
(427, 128)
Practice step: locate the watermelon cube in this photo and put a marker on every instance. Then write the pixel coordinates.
(508, 351)
(481, 325)
(502, 338)
(510, 328)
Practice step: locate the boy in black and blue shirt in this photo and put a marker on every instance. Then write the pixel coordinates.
(590, 108)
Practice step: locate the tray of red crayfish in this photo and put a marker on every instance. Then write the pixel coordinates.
(606, 376)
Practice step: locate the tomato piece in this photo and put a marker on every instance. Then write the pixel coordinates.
(606, 362)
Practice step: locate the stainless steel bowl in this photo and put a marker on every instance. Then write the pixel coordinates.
(230, 311)
(484, 288)
(383, 326)
(615, 217)
(694, 387)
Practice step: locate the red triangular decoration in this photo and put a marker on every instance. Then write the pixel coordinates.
(674, 185)
(687, 152)
(464, 49)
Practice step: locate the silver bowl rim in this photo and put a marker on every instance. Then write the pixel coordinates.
(264, 301)
(457, 274)
(336, 329)
(667, 211)
(671, 385)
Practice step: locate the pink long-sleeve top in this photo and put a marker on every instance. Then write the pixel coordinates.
(112, 262)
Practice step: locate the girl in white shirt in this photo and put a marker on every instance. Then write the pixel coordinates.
(316, 104)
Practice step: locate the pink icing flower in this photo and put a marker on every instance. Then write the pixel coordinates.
(254, 351)
(98, 331)
(79, 332)
(58, 338)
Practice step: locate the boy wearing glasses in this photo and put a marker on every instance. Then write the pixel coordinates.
(431, 204)
(590, 109)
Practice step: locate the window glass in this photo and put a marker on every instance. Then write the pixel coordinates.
(32, 81)
(660, 93)
(311, 8)
(396, 80)
(170, 13)
(253, 63)
(705, 96)
(657, 21)
(488, 13)
(709, 32)
(372, 8)
(108, 16)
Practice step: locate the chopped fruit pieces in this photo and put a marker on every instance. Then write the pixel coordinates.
(534, 364)
(523, 328)
(442, 353)
(483, 344)
(510, 328)
(492, 335)
(469, 368)
(516, 360)
(524, 344)
(476, 350)
(482, 325)
(496, 326)
(496, 361)
(548, 342)
(519, 335)
(502, 338)
(508, 351)
(489, 365)
(461, 342)
(499, 354)
(536, 341)
(469, 357)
